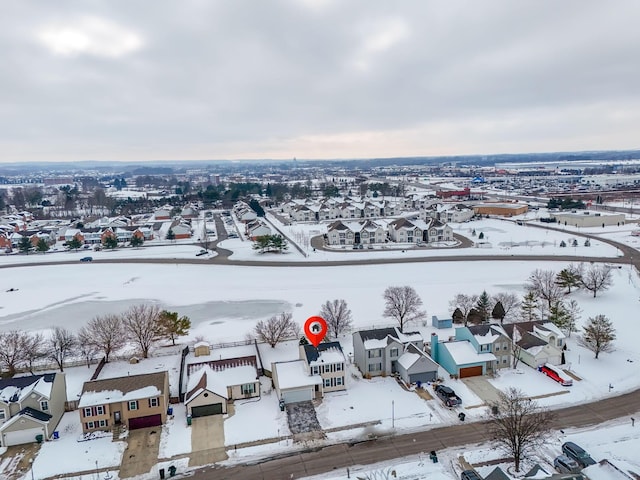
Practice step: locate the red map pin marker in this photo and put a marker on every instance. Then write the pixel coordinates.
(315, 328)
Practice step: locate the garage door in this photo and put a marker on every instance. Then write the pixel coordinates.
(471, 371)
(204, 410)
(301, 395)
(143, 422)
(21, 437)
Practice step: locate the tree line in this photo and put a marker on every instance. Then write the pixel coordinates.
(141, 325)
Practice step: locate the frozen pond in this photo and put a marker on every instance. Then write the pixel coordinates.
(74, 315)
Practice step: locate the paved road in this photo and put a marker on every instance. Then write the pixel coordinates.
(339, 457)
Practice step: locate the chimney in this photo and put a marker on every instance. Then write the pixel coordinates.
(434, 346)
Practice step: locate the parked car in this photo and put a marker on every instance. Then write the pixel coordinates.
(578, 453)
(564, 464)
(447, 395)
(470, 475)
(201, 252)
(555, 375)
(86, 259)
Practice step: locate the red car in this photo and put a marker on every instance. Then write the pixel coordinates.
(552, 373)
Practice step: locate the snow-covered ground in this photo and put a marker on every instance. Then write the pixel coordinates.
(224, 303)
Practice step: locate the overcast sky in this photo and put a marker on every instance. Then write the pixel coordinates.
(204, 79)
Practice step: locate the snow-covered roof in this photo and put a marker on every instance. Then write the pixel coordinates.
(463, 353)
(374, 343)
(201, 344)
(217, 381)
(294, 375)
(408, 359)
(330, 355)
(409, 336)
(605, 470)
(89, 399)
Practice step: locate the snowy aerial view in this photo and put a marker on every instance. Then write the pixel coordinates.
(317, 239)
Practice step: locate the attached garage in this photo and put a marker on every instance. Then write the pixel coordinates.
(297, 395)
(205, 410)
(144, 422)
(21, 437)
(471, 371)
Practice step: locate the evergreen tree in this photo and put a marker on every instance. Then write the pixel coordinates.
(74, 243)
(529, 307)
(171, 326)
(568, 278)
(25, 245)
(42, 246)
(170, 235)
(560, 316)
(110, 242)
(483, 306)
(136, 241)
(498, 311)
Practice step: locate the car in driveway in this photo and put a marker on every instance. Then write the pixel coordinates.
(447, 395)
(201, 252)
(564, 464)
(470, 475)
(86, 259)
(577, 453)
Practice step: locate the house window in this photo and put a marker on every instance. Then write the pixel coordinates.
(89, 425)
(497, 349)
(327, 382)
(393, 352)
(103, 423)
(133, 405)
(375, 353)
(339, 367)
(504, 360)
(154, 402)
(248, 389)
(339, 380)
(87, 412)
(315, 370)
(484, 348)
(99, 410)
(2, 415)
(559, 344)
(44, 405)
(375, 367)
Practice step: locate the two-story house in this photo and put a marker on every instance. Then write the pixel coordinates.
(462, 358)
(536, 342)
(376, 352)
(318, 370)
(135, 401)
(31, 407)
(488, 338)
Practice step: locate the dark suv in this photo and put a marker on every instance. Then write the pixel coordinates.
(578, 453)
(448, 396)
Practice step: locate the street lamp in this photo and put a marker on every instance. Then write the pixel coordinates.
(393, 417)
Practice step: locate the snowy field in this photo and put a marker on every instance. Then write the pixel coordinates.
(224, 303)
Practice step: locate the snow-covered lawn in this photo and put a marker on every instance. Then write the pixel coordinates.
(176, 434)
(255, 419)
(68, 455)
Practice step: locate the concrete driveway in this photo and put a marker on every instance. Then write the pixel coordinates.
(143, 446)
(207, 440)
(482, 388)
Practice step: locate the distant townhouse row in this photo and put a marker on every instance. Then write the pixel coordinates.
(401, 230)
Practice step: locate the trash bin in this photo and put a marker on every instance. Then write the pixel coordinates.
(56, 435)
(461, 416)
(162, 474)
(39, 438)
(433, 456)
(188, 419)
(494, 409)
(282, 405)
(172, 471)
(170, 411)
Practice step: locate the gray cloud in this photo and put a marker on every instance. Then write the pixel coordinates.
(314, 79)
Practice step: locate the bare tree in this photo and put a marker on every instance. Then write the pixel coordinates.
(105, 333)
(599, 335)
(543, 284)
(403, 304)
(338, 317)
(60, 346)
(33, 349)
(12, 350)
(141, 325)
(464, 303)
(276, 329)
(597, 278)
(518, 426)
(510, 303)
